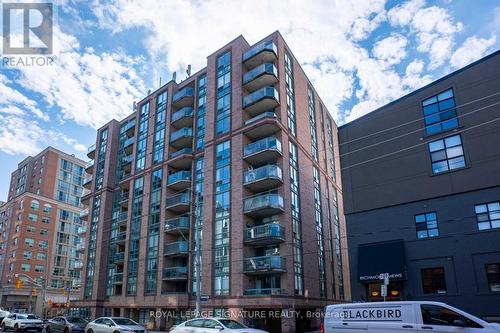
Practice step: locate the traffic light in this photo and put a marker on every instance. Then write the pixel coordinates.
(19, 284)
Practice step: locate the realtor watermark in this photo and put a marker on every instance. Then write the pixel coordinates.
(27, 33)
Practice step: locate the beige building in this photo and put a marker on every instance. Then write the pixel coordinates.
(40, 228)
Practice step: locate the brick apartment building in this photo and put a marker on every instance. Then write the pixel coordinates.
(39, 231)
(246, 149)
(422, 193)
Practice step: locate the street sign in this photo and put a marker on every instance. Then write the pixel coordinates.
(204, 298)
(383, 290)
(386, 279)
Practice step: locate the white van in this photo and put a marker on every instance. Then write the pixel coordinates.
(392, 317)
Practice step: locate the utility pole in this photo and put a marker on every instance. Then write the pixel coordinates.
(198, 251)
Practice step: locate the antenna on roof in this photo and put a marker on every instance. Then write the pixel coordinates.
(134, 105)
(188, 71)
(149, 92)
(160, 82)
(174, 76)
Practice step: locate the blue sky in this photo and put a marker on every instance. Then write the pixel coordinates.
(359, 54)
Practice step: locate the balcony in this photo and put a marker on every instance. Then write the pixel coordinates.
(124, 199)
(179, 203)
(175, 273)
(179, 180)
(84, 214)
(82, 231)
(91, 152)
(118, 278)
(80, 247)
(126, 163)
(264, 265)
(181, 159)
(261, 53)
(119, 258)
(266, 234)
(265, 124)
(86, 195)
(87, 182)
(122, 218)
(121, 237)
(264, 292)
(176, 249)
(89, 167)
(264, 99)
(129, 128)
(182, 138)
(183, 117)
(128, 146)
(263, 205)
(260, 76)
(178, 225)
(263, 178)
(184, 97)
(78, 264)
(263, 151)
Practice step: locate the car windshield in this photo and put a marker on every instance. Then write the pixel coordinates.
(124, 321)
(76, 320)
(231, 324)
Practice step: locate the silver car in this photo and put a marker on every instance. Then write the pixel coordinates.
(114, 325)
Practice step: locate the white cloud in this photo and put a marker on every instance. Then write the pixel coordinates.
(88, 88)
(402, 14)
(11, 99)
(391, 49)
(472, 49)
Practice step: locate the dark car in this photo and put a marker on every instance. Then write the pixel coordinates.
(66, 325)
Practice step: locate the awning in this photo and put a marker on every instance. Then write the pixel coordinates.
(375, 259)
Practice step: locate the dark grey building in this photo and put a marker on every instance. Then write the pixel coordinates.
(421, 181)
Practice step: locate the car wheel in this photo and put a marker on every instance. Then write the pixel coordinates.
(3, 327)
(116, 332)
(48, 329)
(90, 331)
(16, 328)
(66, 330)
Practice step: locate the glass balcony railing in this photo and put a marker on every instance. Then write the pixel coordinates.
(176, 249)
(177, 224)
(259, 72)
(123, 217)
(126, 160)
(91, 151)
(80, 247)
(119, 257)
(84, 213)
(129, 127)
(118, 277)
(121, 237)
(183, 133)
(185, 112)
(263, 205)
(89, 167)
(265, 264)
(265, 150)
(82, 230)
(87, 182)
(269, 115)
(261, 100)
(264, 292)
(175, 273)
(178, 199)
(262, 173)
(183, 97)
(181, 152)
(179, 176)
(268, 233)
(78, 264)
(128, 145)
(266, 46)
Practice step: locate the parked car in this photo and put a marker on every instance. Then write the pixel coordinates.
(66, 325)
(212, 325)
(114, 325)
(3, 314)
(414, 316)
(22, 322)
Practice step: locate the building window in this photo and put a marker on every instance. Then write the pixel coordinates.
(440, 113)
(159, 140)
(493, 276)
(35, 205)
(290, 100)
(223, 112)
(25, 267)
(427, 225)
(447, 154)
(200, 114)
(298, 267)
(319, 232)
(433, 280)
(488, 215)
(312, 123)
(47, 209)
(142, 137)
